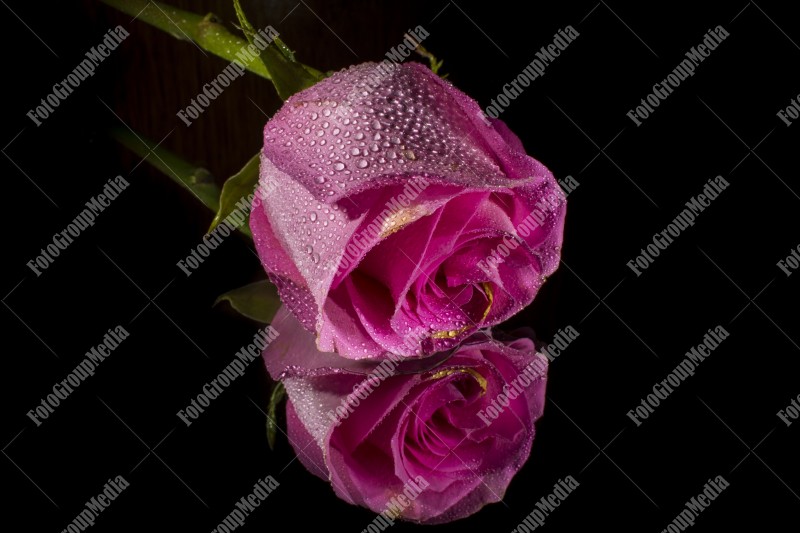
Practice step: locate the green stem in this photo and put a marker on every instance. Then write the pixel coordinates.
(205, 31)
(196, 179)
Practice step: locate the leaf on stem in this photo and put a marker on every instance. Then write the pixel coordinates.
(236, 188)
(257, 301)
(196, 179)
(278, 394)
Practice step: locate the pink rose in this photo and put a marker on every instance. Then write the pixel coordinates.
(395, 217)
(429, 447)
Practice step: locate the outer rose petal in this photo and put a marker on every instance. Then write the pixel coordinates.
(370, 454)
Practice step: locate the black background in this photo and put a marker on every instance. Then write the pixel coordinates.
(633, 330)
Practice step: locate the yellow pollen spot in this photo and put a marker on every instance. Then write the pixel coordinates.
(487, 289)
(472, 372)
(393, 514)
(400, 219)
(452, 333)
(448, 334)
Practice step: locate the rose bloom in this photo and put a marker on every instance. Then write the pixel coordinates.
(428, 446)
(396, 218)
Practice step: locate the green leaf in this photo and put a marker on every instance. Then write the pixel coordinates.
(286, 73)
(258, 301)
(197, 180)
(203, 30)
(278, 394)
(238, 186)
